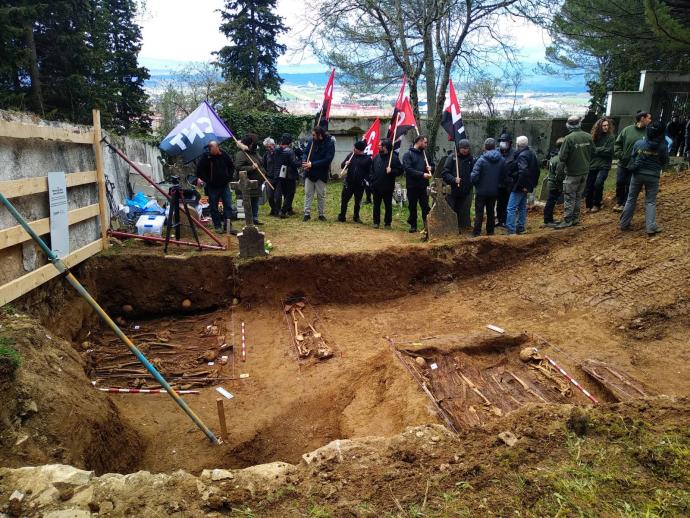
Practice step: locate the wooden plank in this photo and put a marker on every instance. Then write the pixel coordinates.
(100, 176)
(13, 129)
(24, 284)
(38, 184)
(15, 235)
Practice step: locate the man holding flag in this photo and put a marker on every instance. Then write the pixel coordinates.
(458, 167)
(417, 174)
(385, 168)
(358, 165)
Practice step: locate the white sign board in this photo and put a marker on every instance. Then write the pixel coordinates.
(59, 224)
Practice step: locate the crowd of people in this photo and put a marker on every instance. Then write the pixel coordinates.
(499, 180)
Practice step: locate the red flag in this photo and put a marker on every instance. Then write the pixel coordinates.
(398, 106)
(452, 116)
(404, 122)
(372, 137)
(325, 113)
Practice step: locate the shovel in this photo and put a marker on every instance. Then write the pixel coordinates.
(315, 333)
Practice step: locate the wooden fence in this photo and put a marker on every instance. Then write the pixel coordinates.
(16, 235)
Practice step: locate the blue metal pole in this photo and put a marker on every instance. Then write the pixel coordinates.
(62, 268)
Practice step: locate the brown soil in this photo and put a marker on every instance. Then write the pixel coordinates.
(49, 413)
(588, 293)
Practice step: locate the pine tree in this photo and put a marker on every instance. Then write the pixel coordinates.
(253, 29)
(129, 105)
(62, 58)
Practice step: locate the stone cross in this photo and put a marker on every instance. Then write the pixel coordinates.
(250, 239)
(244, 185)
(442, 220)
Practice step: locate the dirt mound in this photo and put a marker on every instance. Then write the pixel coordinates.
(49, 411)
(564, 461)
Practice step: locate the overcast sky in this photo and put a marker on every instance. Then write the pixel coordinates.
(180, 30)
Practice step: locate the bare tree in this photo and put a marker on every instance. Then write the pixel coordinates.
(373, 42)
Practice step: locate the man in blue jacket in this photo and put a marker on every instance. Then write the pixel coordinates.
(524, 181)
(488, 173)
(320, 153)
(417, 174)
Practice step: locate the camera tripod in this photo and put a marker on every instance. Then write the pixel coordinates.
(177, 197)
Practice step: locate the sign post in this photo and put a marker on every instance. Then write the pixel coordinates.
(59, 224)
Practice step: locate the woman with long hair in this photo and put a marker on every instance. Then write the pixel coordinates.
(603, 134)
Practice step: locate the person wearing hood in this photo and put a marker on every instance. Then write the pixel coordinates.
(286, 165)
(488, 173)
(267, 164)
(555, 187)
(648, 157)
(247, 160)
(505, 146)
(383, 182)
(622, 149)
(215, 169)
(603, 137)
(675, 130)
(574, 158)
(460, 182)
(417, 174)
(358, 172)
(525, 179)
(320, 154)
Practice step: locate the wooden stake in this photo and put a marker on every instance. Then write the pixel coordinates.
(100, 177)
(221, 419)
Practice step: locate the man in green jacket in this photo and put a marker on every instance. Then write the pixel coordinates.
(574, 157)
(622, 150)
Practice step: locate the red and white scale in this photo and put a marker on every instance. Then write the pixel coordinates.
(243, 349)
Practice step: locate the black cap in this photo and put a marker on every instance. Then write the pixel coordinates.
(464, 143)
(505, 137)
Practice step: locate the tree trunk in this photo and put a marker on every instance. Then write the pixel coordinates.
(255, 53)
(430, 76)
(36, 90)
(434, 118)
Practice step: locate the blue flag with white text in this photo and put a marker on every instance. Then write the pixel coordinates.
(191, 136)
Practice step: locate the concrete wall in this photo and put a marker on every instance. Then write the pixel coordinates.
(26, 158)
(627, 103)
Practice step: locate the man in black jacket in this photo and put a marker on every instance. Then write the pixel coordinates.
(358, 172)
(417, 174)
(383, 182)
(524, 180)
(488, 173)
(285, 174)
(459, 179)
(215, 169)
(320, 153)
(505, 146)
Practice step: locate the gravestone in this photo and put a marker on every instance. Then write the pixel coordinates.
(442, 220)
(250, 239)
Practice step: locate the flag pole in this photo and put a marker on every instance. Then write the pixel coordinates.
(426, 160)
(318, 121)
(390, 157)
(240, 145)
(457, 162)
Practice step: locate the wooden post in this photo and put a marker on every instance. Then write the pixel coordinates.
(100, 177)
(221, 418)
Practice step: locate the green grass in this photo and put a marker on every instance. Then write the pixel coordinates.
(333, 193)
(400, 214)
(8, 354)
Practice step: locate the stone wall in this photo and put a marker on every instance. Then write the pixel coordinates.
(27, 158)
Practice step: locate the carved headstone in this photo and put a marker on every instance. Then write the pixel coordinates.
(442, 220)
(250, 239)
